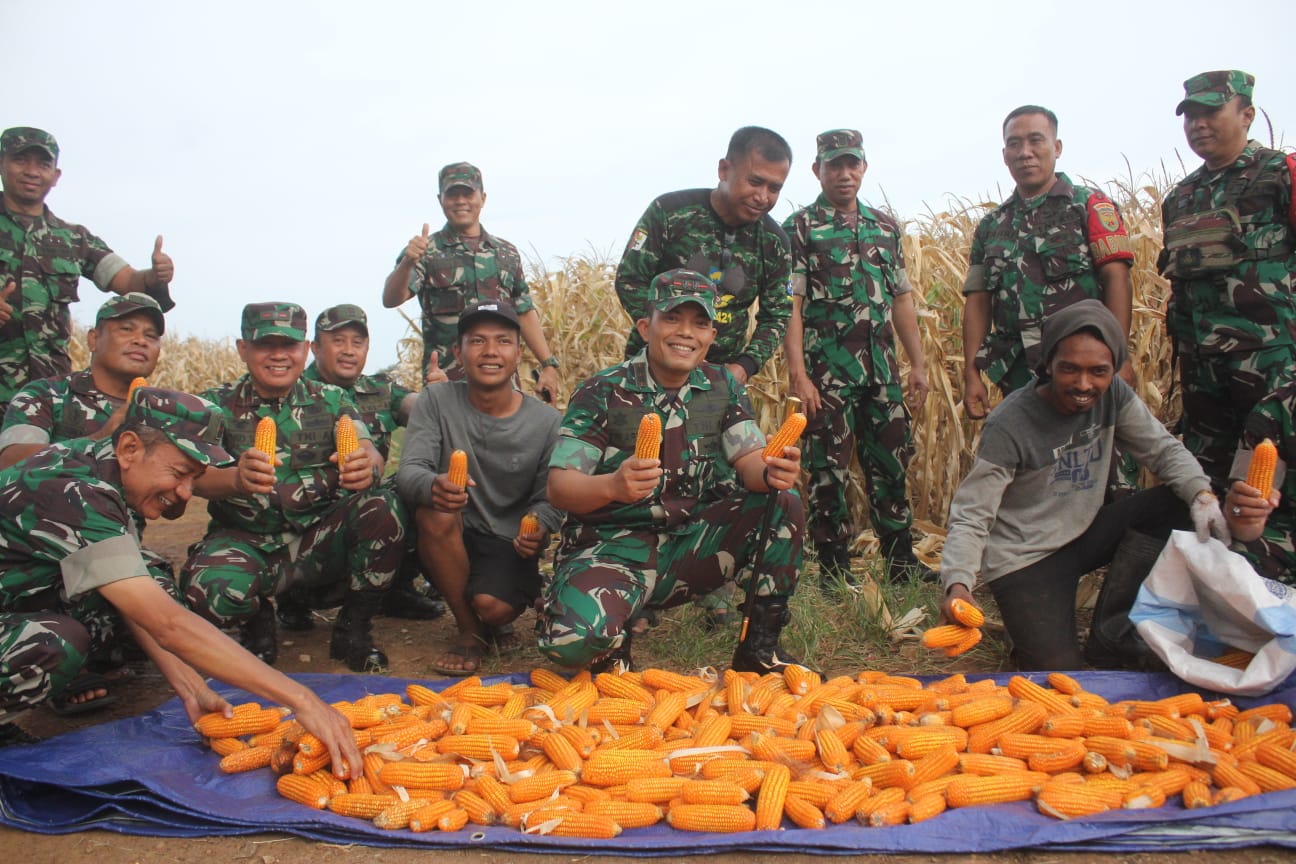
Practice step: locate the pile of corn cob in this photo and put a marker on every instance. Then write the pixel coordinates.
(590, 757)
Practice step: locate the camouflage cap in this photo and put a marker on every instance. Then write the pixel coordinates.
(460, 174)
(478, 309)
(839, 142)
(274, 319)
(128, 304)
(190, 422)
(677, 287)
(1214, 89)
(337, 317)
(20, 138)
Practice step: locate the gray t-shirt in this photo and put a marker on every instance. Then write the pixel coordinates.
(1040, 477)
(508, 458)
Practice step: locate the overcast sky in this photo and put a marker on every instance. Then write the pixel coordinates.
(290, 150)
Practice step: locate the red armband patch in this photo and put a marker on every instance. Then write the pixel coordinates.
(1291, 200)
(1108, 240)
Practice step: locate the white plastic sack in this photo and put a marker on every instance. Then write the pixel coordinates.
(1200, 601)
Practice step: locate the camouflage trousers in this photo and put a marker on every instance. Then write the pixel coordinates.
(357, 544)
(40, 654)
(873, 423)
(1219, 390)
(603, 579)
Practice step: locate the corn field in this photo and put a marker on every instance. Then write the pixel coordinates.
(587, 328)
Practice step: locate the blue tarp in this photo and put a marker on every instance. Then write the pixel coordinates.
(151, 775)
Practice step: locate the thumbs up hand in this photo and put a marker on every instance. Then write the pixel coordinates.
(7, 294)
(435, 373)
(163, 267)
(418, 246)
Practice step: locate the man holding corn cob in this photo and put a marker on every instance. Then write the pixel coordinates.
(1029, 517)
(850, 299)
(70, 570)
(1260, 504)
(481, 533)
(292, 511)
(652, 531)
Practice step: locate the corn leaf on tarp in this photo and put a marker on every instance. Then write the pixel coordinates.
(151, 775)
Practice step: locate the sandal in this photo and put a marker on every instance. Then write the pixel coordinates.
(86, 682)
(505, 639)
(471, 654)
(643, 622)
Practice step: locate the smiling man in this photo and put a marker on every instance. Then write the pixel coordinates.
(1049, 245)
(1230, 255)
(649, 533)
(1029, 516)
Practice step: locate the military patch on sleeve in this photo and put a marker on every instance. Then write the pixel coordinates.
(1291, 191)
(638, 240)
(1105, 212)
(1108, 239)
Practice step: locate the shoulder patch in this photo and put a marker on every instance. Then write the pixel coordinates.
(639, 238)
(1291, 191)
(1105, 211)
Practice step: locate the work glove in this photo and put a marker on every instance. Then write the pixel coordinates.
(1208, 519)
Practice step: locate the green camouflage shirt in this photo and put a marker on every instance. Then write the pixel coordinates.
(1274, 553)
(306, 482)
(1038, 256)
(64, 526)
(1233, 292)
(847, 274)
(47, 257)
(748, 264)
(706, 426)
(378, 401)
(450, 275)
(57, 409)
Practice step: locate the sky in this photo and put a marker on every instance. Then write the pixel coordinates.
(289, 150)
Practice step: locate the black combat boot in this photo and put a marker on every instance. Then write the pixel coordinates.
(901, 565)
(12, 733)
(258, 635)
(293, 609)
(759, 651)
(834, 566)
(618, 655)
(351, 640)
(405, 600)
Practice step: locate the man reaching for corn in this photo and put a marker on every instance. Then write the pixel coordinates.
(653, 532)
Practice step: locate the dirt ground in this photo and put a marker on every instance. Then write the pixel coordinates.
(411, 646)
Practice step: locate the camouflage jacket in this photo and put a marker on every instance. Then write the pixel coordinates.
(64, 526)
(57, 409)
(748, 264)
(1039, 256)
(47, 258)
(1274, 417)
(377, 400)
(450, 274)
(306, 482)
(706, 426)
(847, 275)
(1230, 254)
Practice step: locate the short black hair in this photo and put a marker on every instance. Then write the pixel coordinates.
(1032, 109)
(769, 144)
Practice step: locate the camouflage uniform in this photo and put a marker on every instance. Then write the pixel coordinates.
(1274, 417)
(699, 529)
(377, 401)
(1230, 255)
(848, 274)
(57, 409)
(1039, 256)
(40, 654)
(747, 264)
(309, 530)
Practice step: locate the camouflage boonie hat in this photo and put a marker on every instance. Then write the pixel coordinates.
(460, 174)
(337, 317)
(488, 309)
(128, 304)
(840, 142)
(274, 319)
(676, 287)
(190, 422)
(1214, 89)
(20, 138)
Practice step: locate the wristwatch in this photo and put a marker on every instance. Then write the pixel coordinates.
(551, 360)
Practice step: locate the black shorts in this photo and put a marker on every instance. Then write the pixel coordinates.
(495, 569)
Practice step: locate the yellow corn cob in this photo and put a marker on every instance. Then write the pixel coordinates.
(1065, 755)
(981, 710)
(1026, 717)
(832, 752)
(397, 815)
(944, 636)
(303, 764)
(457, 473)
(1023, 745)
(648, 442)
(988, 765)
(540, 786)
(1268, 779)
(879, 800)
(1143, 797)
(1264, 458)
(938, 763)
(803, 813)
(422, 775)
(513, 708)
(636, 738)
(716, 818)
(545, 679)
(1278, 758)
(135, 384)
(898, 773)
(247, 760)
(484, 696)
(587, 794)
(1226, 774)
(786, 436)
(266, 437)
(615, 767)
(529, 526)
(969, 791)
(478, 810)
(363, 716)
(571, 824)
(801, 680)
(1063, 726)
(627, 814)
(425, 818)
(283, 729)
(1170, 781)
(561, 753)
(966, 613)
(885, 813)
(329, 782)
(216, 725)
(1196, 795)
(925, 807)
(1072, 800)
(621, 687)
(360, 806)
(869, 751)
(1275, 712)
(817, 792)
(359, 786)
(479, 747)
(773, 794)
(1028, 691)
(226, 746)
(655, 790)
(923, 740)
(668, 710)
(713, 731)
(303, 790)
(1107, 727)
(582, 740)
(662, 679)
(455, 820)
(1229, 793)
(1063, 683)
(417, 694)
(847, 800)
(712, 792)
(970, 640)
(345, 439)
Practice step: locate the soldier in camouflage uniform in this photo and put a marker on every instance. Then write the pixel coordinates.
(1230, 255)
(69, 563)
(1263, 521)
(457, 265)
(303, 518)
(850, 298)
(42, 258)
(1052, 243)
(653, 532)
(340, 349)
(725, 233)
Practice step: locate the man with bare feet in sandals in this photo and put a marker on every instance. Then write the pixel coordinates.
(470, 537)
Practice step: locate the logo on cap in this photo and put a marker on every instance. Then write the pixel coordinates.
(676, 287)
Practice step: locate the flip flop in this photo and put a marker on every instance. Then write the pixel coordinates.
(472, 652)
(83, 683)
(505, 639)
(649, 619)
